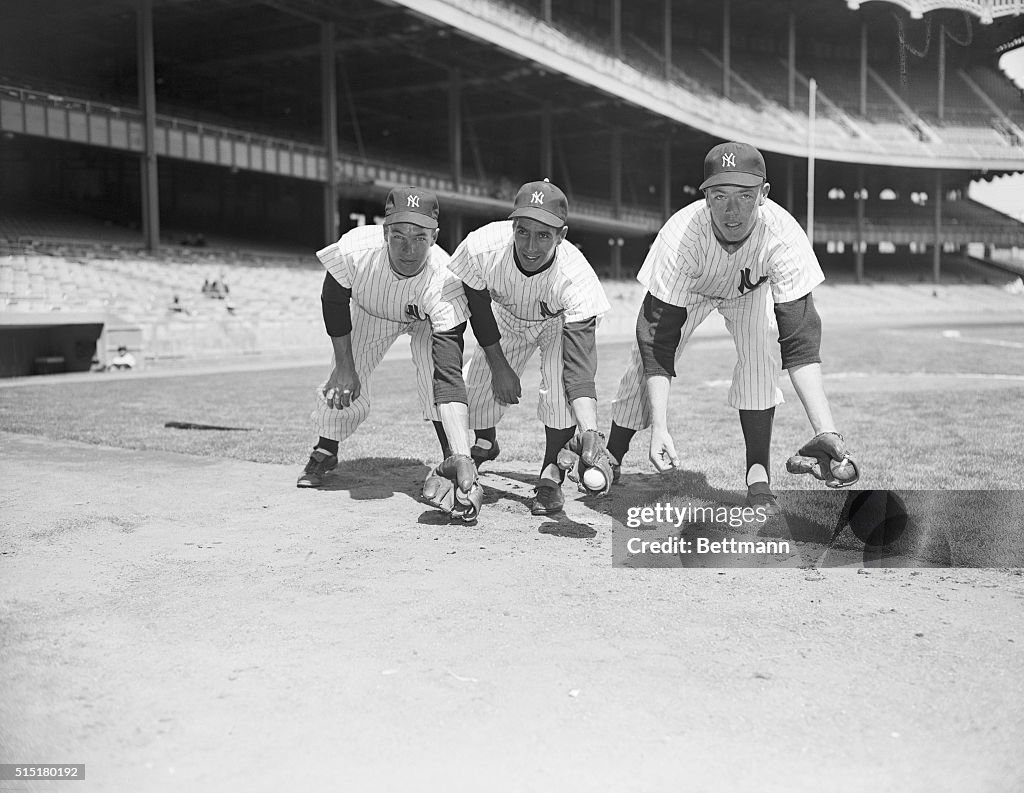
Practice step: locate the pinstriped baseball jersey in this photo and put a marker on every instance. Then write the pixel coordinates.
(687, 260)
(359, 261)
(568, 288)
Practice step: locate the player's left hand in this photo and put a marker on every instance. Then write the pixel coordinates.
(826, 457)
(452, 487)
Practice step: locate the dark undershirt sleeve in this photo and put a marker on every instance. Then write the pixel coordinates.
(334, 300)
(579, 359)
(447, 348)
(659, 327)
(485, 328)
(799, 332)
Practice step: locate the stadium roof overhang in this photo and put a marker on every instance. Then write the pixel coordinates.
(986, 10)
(556, 52)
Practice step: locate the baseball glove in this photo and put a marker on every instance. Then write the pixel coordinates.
(585, 452)
(825, 457)
(452, 487)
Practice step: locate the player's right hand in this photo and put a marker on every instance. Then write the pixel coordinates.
(342, 388)
(663, 451)
(506, 386)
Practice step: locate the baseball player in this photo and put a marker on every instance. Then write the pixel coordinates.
(737, 252)
(382, 282)
(528, 289)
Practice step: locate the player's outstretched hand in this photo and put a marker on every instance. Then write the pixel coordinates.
(826, 457)
(453, 488)
(506, 386)
(663, 451)
(342, 388)
(585, 461)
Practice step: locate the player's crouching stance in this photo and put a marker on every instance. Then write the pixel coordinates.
(382, 282)
(743, 255)
(527, 291)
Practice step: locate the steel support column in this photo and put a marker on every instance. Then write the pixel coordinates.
(147, 100)
(667, 25)
(792, 61)
(937, 251)
(455, 126)
(858, 249)
(329, 114)
(617, 28)
(864, 70)
(726, 47)
(666, 175)
(547, 162)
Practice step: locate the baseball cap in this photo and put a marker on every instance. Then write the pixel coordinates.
(541, 201)
(734, 164)
(411, 205)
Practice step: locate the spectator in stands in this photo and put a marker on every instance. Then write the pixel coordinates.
(219, 289)
(207, 286)
(123, 360)
(177, 307)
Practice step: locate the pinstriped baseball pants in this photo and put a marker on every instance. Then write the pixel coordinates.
(750, 320)
(372, 337)
(519, 339)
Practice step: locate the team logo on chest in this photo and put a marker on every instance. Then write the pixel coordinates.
(412, 311)
(745, 283)
(547, 313)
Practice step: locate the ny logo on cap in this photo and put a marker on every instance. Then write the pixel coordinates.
(413, 201)
(728, 160)
(537, 198)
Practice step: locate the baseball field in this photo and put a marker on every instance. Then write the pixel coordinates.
(177, 615)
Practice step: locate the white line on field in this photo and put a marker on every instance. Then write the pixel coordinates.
(955, 335)
(1013, 378)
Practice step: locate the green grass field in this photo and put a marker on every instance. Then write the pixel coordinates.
(925, 408)
(921, 410)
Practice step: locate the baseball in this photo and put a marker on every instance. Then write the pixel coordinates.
(593, 479)
(843, 470)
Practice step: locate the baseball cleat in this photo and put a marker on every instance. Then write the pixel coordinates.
(616, 469)
(760, 494)
(320, 464)
(481, 455)
(548, 499)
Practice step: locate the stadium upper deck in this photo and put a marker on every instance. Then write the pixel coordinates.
(616, 101)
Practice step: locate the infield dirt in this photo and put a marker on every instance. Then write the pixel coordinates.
(177, 622)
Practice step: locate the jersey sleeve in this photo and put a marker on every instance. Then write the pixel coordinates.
(337, 260)
(794, 270)
(466, 267)
(446, 302)
(583, 296)
(665, 270)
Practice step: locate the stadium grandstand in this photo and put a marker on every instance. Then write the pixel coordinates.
(147, 146)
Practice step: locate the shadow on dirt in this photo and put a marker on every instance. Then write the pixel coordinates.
(368, 478)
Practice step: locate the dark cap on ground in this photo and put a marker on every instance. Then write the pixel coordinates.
(733, 163)
(411, 205)
(541, 201)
